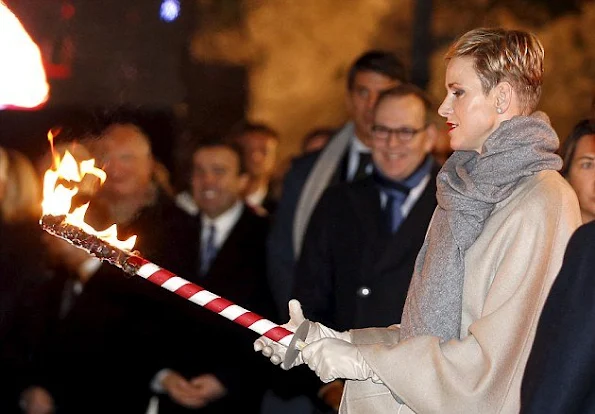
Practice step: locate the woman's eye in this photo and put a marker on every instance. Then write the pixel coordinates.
(587, 165)
(458, 92)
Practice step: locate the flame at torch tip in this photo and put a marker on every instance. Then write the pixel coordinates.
(110, 235)
(57, 198)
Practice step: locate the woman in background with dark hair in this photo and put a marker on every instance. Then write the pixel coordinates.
(578, 153)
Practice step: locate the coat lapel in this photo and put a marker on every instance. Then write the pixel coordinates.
(365, 198)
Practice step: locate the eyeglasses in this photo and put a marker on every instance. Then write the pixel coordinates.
(382, 133)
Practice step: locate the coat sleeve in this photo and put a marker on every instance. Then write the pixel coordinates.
(313, 279)
(478, 372)
(559, 373)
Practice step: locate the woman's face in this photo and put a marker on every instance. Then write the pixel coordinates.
(581, 175)
(470, 115)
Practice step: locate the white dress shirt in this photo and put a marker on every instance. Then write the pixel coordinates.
(355, 148)
(223, 224)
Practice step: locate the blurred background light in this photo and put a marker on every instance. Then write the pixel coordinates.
(170, 10)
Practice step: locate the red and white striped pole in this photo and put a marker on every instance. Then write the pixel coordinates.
(137, 265)
(210, 301)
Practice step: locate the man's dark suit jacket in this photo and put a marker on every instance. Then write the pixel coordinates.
(560, 372)
(347, 248)
(96, 358)
(202, 342)
(100, 358)
(280, 253)
(21, 273)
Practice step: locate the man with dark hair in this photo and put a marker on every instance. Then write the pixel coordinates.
(363, 237)
(259, 144)
(345, 158)
(207, 365)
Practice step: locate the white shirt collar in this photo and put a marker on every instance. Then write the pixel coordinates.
(356, 147)
(223, 224)
(185, 201)
(411, 199)
(257, 197)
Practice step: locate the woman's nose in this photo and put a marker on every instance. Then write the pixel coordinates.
(445, 109)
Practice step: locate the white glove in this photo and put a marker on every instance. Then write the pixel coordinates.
(332, 358)
(316, 331)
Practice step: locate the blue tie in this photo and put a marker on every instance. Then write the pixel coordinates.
(208, 251)
(392, 210)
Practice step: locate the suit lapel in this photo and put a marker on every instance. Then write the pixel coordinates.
(365, 198)
(340, 174)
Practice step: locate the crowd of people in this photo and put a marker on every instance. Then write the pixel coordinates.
(422, 282)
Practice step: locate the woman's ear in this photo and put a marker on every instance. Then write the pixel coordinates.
(503, 93)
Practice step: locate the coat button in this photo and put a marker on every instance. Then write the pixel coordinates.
(364, 291)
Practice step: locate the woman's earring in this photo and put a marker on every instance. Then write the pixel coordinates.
(499, 110)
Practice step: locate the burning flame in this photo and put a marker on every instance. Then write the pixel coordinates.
(57, 198)
(22, 78)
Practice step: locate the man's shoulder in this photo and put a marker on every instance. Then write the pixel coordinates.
(167, 207)
(351, 192)
(255, 216)
(585, 235)
(304, 163)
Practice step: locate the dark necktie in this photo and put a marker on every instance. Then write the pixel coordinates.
(396, 192)
(364, 160)
(392, 210)
(208, 251)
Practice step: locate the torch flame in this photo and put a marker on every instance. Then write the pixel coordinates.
(22, 77)
(57, 198)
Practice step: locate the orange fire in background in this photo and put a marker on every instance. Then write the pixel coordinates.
(61, 183)
(22, 78)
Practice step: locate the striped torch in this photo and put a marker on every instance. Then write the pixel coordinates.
(70, 226)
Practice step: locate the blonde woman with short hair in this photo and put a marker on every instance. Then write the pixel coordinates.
(493, 249)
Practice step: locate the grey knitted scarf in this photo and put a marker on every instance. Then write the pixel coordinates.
(468, 187)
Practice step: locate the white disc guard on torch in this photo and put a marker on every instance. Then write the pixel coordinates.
(297, 343)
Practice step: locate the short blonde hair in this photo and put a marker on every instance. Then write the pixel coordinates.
(21, 199)
(500, 55)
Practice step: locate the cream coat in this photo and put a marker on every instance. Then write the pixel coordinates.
(508, 273)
